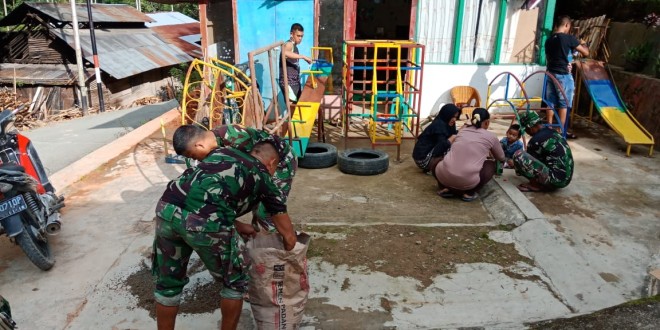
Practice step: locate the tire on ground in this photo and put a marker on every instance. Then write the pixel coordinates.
(37, 251)
(319, 155)
(363, 161)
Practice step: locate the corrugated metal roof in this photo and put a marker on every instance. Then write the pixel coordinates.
(102, 13)
(175, 34)
(42, 74)
(169, 18)
(127, 52)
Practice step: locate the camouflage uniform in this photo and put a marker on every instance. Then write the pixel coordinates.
(548, 160)
(197, 212)
(244, 138)
(5, 315)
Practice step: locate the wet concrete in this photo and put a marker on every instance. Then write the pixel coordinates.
(609, 240)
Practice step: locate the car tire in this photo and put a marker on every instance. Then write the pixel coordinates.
(319, 155)
(363, 161)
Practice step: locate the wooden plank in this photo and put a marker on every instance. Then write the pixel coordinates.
(311, 94)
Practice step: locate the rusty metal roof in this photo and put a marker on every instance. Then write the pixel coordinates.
(41, 74)
(174, 33)
(169, 18)
(102, 13)
(126, 52)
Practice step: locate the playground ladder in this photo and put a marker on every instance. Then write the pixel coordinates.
(394, 116)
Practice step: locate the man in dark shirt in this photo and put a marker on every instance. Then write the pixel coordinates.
(291, 56)
(559, 50)
(198, 212)
(548, 161)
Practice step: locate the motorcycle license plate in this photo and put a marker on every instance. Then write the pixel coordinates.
(9, 207)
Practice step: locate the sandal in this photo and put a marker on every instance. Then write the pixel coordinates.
(527, 188)
(571, 135)
(468, 198)
(445, 193)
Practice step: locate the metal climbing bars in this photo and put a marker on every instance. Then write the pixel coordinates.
(381, 90)
(518, 100)
(213, 93)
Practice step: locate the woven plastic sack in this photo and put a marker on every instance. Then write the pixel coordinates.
(279, 285)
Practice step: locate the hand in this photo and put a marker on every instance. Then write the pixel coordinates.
(245, 230)
(307, 59)
(283, 225)
(289, 242)
(452, 139)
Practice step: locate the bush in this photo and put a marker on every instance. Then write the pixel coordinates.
(637, 56)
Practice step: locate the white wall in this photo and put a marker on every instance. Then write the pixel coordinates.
(440, 78)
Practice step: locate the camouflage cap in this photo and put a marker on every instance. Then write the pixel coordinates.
(529, 119)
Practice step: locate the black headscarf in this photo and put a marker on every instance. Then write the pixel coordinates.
(435, 137)
(447, 112)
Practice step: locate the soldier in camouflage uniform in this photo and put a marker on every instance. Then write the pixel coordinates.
(548, 162)
(201, 142)
(198, 212)
(5, 315)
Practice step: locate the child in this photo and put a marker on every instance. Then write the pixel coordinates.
(510, 144)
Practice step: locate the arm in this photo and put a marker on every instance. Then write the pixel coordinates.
(496, 149)
(582, 49)
(288, 53)
(285, 228)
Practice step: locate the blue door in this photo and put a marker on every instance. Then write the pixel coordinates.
(263, 22)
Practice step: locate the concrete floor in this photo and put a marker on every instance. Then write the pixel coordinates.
(592, 246)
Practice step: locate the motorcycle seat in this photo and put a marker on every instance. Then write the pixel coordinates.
(12, 167)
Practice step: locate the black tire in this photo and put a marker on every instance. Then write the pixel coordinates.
(36, 250)
(363, 161)
(319, 155)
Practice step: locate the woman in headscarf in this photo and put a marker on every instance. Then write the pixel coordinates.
(436, 139)
(465, 169)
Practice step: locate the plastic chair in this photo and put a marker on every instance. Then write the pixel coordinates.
(466, 98)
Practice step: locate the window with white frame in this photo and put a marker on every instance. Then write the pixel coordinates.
(482, 39)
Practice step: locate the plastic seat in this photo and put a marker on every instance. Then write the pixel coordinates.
(467, 98)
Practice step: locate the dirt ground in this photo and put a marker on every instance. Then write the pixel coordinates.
(391, 223)
(639, 314)
(419, 252)
(410, 251)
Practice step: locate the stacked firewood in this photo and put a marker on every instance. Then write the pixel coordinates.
(29, 117)
(147, 100)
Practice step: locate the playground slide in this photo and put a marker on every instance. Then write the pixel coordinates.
(608, 102)
(305, 111)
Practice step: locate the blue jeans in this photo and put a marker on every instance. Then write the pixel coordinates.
(554, 97)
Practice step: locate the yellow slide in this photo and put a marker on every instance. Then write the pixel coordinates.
(608, 102)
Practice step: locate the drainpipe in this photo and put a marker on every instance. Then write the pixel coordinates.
(97, 70)
(82, 89)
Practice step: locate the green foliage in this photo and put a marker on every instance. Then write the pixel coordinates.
(636, 57)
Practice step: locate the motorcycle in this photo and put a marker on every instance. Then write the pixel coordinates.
(29, 207)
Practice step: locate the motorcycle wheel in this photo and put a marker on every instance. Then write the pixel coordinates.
(37, 251)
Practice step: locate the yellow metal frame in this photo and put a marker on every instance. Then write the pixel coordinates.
(311, 73)
(211, 72)
(373, 124)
